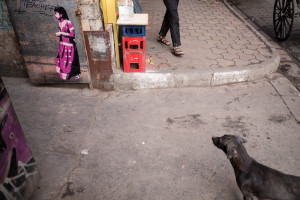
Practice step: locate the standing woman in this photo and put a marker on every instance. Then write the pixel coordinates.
(171, 21)
(67, 60)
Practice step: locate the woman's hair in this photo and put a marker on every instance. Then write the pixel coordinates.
(62, 11)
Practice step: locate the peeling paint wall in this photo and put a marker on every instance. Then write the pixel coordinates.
(100, 55)
(11, 60)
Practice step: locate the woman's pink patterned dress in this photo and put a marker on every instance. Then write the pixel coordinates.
(67, 60)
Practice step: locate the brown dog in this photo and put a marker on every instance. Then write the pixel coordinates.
(255, 179)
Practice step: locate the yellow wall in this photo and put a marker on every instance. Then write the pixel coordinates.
(109, 8)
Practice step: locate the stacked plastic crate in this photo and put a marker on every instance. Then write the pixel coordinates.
(134, 48)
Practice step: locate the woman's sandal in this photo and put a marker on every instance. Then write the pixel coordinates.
(163, 40)
(177, 52)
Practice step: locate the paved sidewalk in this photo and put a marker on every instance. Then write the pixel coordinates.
(219, 48)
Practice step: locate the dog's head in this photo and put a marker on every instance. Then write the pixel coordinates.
(228, 143)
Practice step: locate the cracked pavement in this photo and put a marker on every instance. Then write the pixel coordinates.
(153, 144)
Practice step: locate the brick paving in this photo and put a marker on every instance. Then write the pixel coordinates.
(212, 37)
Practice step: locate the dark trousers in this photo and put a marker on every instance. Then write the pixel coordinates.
(171, 22)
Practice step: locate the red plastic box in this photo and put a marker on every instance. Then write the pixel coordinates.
(134, 44)
(134, 61)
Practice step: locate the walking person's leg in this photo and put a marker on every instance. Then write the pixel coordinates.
(164, 30)
(173, 22)
(172, 7)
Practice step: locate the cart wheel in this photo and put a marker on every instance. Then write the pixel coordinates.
(283, 17)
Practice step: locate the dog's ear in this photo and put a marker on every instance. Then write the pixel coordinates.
(231, 152)
(241, 140)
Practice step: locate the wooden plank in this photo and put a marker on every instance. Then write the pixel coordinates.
(100, 57)
(138, 20)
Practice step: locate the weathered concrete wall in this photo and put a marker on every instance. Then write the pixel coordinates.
(35, 27)
(11, 60)
(91, 17)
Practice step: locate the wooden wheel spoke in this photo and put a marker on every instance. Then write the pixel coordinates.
(284, 5)
(276, 26)
(288, 23)
(290, 15)
(280, 6)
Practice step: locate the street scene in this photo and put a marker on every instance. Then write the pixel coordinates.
(260, 13)
(148, 135)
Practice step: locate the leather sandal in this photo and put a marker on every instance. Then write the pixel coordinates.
(163, 40)
(177, 51)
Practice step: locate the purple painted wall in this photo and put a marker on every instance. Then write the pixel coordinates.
(19, 175)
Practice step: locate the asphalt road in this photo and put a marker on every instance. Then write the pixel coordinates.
(260, 13)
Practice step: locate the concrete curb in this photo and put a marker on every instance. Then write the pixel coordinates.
(210, 77)
(288, 93)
